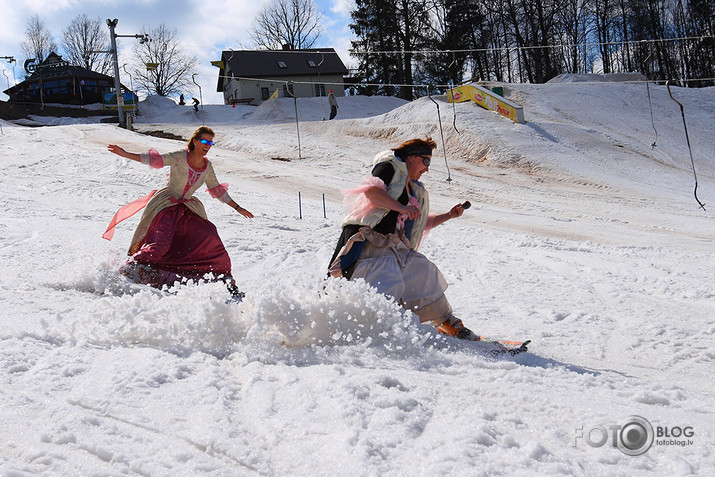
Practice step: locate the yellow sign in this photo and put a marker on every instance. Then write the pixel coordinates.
(486, 99)
(275, 94)
(152, 66)
(218, 64)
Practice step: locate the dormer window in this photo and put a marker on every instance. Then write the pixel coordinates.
(282, 64)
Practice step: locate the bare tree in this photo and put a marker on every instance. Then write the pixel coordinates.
(82, 38)
(163, 67)
(39, 43)
(297, 23)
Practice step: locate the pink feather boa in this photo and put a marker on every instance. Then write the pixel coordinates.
(356, 203)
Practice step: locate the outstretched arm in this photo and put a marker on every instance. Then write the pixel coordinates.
(240, 209)
(121, 152)
(454, 212)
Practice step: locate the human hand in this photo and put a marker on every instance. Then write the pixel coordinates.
(244, 212)
(116, 150)
(411, 211)
(457, 211)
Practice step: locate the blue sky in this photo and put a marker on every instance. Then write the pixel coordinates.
(206, 27)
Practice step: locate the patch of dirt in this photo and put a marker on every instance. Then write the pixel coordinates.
(162, 134)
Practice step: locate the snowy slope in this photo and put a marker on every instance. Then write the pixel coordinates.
(582, 237)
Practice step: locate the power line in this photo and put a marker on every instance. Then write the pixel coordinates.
(533, 47)
(424, 85)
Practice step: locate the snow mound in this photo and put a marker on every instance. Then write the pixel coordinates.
(602, 78)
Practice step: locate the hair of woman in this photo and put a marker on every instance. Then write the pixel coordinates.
(201, 130)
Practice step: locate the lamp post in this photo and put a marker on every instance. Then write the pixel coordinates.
(131, 86)
(201, 97)
(13, 61)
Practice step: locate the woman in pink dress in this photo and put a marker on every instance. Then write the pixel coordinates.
(174, 239)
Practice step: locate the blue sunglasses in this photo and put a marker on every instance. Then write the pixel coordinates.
(206, 141)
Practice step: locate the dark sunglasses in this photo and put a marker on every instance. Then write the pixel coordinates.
(425, 160)
(206, 141)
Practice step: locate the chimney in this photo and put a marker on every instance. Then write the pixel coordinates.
(286, 46)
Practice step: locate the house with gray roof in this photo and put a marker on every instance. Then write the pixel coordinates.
(254, 76)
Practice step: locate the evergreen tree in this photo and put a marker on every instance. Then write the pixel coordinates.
(388, 33)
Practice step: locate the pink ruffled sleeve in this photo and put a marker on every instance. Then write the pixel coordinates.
(152, 159)
(220, 192)
(356, 203)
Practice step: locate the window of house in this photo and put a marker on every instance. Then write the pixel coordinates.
(265, 94)
(282, 64)
(320, 90)
(287, 90)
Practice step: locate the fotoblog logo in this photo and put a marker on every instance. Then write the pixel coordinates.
(633, 435)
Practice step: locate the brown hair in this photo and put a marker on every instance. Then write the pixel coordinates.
(197, 135)
(415, 147)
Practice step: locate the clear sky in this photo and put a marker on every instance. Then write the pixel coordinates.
(206, 27)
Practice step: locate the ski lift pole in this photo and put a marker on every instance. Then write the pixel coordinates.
(439, 117)
(297, 126)
(201, 98)
(321, 88)
(451, 86)
(650, 104)
(687, 139)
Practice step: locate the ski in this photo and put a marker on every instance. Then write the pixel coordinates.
(505, 346)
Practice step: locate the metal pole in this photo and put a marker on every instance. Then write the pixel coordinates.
(325, 215)
(300, 207)
(687, 138)
(295, 105)
(117, 83)
(131, 85)
(444, 149)
(201, 98)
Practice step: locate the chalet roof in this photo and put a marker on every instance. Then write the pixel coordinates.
(53, 67)
(280, 63)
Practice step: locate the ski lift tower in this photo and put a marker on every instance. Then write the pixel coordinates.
(117, 84)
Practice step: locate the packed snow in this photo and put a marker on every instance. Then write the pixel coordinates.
(584, 236)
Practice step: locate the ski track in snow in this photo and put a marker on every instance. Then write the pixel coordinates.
(581, 238)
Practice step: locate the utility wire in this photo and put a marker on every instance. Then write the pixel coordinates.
(449, 86)
(531, 47)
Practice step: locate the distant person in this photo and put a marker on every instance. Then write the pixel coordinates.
(174, 239)
(387, 219)
(333, 104)
(181, 99)
(196, 104)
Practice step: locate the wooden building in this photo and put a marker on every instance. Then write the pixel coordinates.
(56, 81)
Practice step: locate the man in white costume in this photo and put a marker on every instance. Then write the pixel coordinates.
(387, 220)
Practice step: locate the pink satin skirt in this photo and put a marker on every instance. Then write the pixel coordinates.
(179, 245)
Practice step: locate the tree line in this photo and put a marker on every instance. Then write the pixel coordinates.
(442, 42)
(400, 43)
(86, 43)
